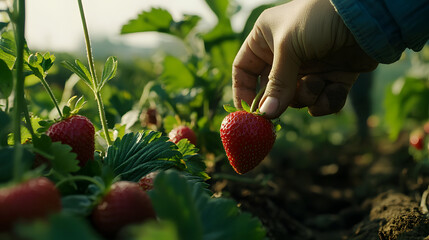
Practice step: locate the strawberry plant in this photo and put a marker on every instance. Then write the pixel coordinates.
(83, 190)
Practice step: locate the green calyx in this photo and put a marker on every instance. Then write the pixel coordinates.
(71, 108)
(250, 109)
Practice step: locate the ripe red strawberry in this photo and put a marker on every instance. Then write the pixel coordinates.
(126, 203)
(146, 182)
(181, 132)
(35, 198)
(247, 139)
(78, 132)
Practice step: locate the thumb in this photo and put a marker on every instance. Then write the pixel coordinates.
(281, 86)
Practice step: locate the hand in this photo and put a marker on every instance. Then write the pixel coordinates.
(304, 55)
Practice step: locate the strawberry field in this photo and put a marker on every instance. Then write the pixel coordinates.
(99, 144)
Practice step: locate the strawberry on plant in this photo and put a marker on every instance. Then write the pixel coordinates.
(125, 203)
(146, 182)
(32, 199)
(78, 132)
(182, 132)
(247, 137)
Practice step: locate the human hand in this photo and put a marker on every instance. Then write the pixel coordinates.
(304, 55)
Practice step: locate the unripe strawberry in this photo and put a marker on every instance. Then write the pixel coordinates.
(125, 203)
(182, 132)
(78, 132)
(247, 139)
(33, 199)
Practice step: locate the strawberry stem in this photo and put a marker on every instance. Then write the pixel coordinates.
(95, 83)
(51, 95)
(257, 99)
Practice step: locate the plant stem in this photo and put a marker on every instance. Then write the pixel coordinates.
(88, 45)
(95, 84)
(19, 87)
(103, 117)
(257, 99)
(27, 118)
(51, 94)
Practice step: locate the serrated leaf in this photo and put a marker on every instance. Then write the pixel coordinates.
(109, 71)
(75, 68)
(138, 154)
(6, 80)
(198, 216)
(194, 162)
(62, 159)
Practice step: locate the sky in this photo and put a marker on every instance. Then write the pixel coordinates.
(55, 25)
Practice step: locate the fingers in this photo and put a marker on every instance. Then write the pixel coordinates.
(323, 93)
(252, 61)
(281, 85)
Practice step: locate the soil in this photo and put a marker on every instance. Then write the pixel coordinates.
(363, 191)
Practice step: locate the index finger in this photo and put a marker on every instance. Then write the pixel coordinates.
(249, 63)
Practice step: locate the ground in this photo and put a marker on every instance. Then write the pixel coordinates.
(370, 190)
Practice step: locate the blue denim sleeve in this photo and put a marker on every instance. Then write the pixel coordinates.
(385, 28)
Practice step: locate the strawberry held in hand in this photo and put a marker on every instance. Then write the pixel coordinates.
(78, 132)
(32, 199)
(247, 138)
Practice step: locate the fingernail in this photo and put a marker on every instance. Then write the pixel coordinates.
(269, 106)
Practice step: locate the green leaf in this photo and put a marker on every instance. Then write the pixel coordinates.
(220, 8)
(58, 226)
(8, 49)
(406, 98)
(193, 161)
(79, 69)
(245, 106)
(230, 108)
(62, 159)
(176, 76)
(40, 64)
(156, 20)
(138, 154)
(6, 80)
(109, 71)
(153, 230)
(198, 216)
(160, 20)
(169, 123)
